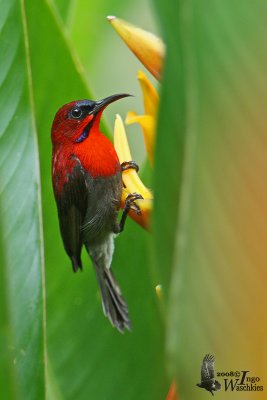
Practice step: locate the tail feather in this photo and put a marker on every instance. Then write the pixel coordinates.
(76, 263)
(114, 305)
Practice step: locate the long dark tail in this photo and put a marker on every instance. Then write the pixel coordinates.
(114, 305)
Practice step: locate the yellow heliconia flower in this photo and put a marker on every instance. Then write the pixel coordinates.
(145, 45)
(148, 120)
(150, 50)
(132, 182)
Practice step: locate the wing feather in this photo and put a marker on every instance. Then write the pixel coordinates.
(207, 369)
(71, 205)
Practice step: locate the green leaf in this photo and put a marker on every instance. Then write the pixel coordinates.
(6, 365)
(21, 277)
(169, 157)
(218, 244)
(65, 9)
(87, 357)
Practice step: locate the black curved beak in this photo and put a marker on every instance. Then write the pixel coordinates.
(101, 104)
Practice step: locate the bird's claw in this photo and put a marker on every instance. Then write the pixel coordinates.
(129, 165)
(130, 205)
(130, 202)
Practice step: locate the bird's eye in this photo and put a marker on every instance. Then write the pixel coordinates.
(76, 112)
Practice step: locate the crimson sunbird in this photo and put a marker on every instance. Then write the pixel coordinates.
(87, 183)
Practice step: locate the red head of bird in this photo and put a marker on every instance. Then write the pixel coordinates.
(76, 133)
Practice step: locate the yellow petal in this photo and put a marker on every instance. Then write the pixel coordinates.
(150, 95)
(144, 120)
(147, 47)
(131, 117)
(147, 123)
(130, 177)
(131, 180)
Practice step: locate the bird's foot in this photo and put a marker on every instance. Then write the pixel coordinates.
(129, 165)
(130, 202)
(130, 205)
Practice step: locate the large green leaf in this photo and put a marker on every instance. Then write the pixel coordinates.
(6, 365)
(65, 9)
(21, 280)
(88, 358)
(218, 249)
(169, 157)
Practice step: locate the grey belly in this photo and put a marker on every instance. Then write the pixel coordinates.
(103, 204)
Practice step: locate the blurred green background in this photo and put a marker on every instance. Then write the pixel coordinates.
(208, 242)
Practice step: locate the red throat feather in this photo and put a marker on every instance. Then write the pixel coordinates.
(97, 155)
